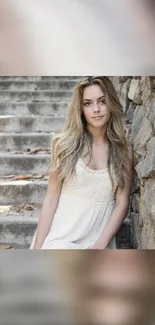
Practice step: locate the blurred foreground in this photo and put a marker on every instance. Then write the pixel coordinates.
(63, 37)
(81, 287)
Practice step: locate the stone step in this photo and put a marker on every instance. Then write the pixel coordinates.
(23, 164)
(38, 78)
(35, 96)
(38, 85)
(31, 123)
(22, 191)
(37, 108)
(6, 246)
(18, 224)
(24, 141)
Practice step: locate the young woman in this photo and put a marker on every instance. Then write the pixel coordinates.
(90, 176)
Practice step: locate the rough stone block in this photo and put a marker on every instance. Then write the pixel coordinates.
(115, 81)
(147, 214)
(135, 92)
(148, 165)
(149, 199)
(143, 136)
(123, 79)
(135, 183)
(138, 169)
(123, 94)
(142, 206)
(135, 231)
(138, 117)
(146, 90)
(135, 202)
(151, 112)
(152, 81)
(129, 113)
(148, 235)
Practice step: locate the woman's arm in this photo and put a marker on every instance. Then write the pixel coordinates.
(48, 209)
(120, 211)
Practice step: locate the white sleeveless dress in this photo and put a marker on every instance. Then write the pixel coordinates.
(86, 203)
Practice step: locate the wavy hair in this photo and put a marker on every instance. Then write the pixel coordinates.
(66, 147)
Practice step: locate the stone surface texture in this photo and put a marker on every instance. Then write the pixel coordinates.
(138, 94)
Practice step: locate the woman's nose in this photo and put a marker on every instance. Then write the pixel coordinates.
(96, 107)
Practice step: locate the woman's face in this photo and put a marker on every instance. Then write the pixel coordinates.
(94, 106)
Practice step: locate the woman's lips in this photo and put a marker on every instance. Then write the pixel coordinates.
(97, 117)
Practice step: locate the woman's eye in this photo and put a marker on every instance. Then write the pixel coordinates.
(103, 101)
(86, 104)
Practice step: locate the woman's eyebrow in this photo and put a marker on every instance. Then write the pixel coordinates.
(103, 96)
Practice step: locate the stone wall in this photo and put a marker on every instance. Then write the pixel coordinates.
(137, 95)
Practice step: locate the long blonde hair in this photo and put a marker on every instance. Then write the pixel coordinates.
(67, 146)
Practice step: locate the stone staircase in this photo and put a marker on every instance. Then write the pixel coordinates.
(32, 109)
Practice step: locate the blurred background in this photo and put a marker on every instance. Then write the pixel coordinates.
(31, 290)
(88, 287)
(64, 37)
(110, 287)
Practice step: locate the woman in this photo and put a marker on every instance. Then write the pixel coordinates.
(90, 173)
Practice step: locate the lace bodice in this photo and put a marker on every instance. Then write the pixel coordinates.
(90, 184)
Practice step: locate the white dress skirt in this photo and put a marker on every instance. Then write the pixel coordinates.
(85, 205)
